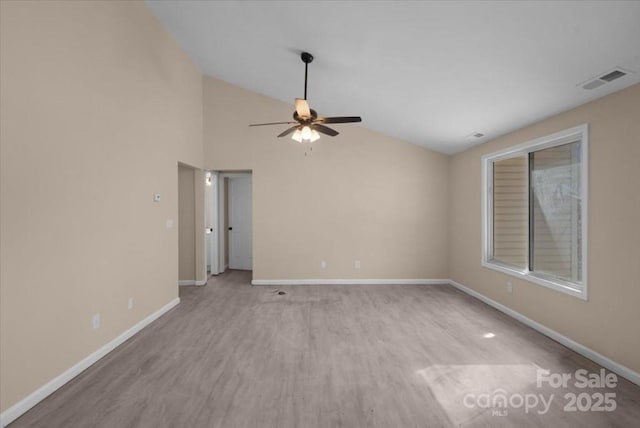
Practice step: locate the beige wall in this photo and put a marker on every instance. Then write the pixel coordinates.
(98, 105)
(186, 224)
(359, 196)
(608, 322)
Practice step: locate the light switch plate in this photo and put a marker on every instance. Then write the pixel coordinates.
(156, 197)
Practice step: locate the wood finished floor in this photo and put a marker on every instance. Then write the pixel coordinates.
(233, 355)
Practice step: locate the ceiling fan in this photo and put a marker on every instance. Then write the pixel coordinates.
(308, 124)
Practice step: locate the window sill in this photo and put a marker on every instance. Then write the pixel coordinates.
(579, 291)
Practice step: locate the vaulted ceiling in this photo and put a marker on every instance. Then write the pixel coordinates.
(431, 73)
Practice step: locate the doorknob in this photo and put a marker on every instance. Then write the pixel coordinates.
(230, 228)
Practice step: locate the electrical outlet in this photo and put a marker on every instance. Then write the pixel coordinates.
(95, 321)
(130, 303)
(323, 264)
(509, 287)
(356, 264)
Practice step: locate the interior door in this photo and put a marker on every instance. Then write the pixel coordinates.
(240, 223)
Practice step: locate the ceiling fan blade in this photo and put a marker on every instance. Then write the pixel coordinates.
(288, 131)
(302, 108)
(343, 119)
(272, 123)
(324, 129)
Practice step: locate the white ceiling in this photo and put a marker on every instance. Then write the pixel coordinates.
(430, 73)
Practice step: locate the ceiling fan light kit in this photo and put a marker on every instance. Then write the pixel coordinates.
(308, 125)
(305, 134)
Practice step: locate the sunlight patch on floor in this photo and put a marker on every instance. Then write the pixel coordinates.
(457, 388)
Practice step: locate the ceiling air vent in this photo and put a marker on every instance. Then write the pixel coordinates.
(593, 84)
(604, 79)
(615, 74)
(475, 134)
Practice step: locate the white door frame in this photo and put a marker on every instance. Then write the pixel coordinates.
(221, 209)
(212, 231)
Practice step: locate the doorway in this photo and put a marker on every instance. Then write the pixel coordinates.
(191, 243)
(230, 230)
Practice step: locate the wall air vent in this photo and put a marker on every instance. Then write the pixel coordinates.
(604, 79)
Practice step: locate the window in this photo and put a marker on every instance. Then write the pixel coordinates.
(535, 211)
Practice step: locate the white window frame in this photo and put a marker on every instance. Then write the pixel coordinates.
(580, 133)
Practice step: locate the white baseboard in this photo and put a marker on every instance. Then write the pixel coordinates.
(185, 282)
(349, 281)
(22, 406)
(605, 362)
